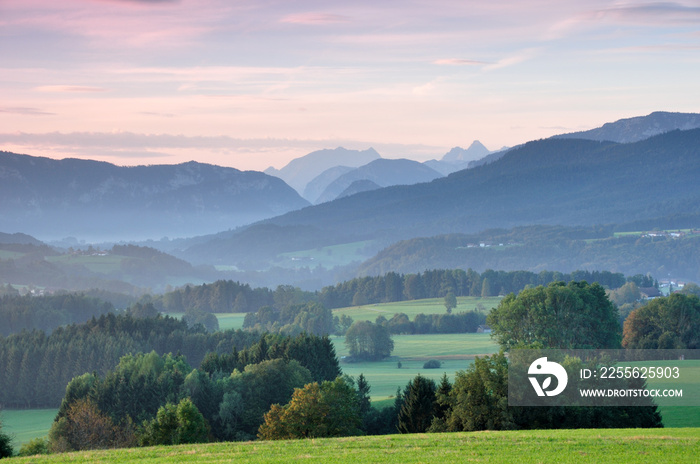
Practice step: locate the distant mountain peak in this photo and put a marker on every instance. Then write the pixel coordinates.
(300, 171)
(459, 155)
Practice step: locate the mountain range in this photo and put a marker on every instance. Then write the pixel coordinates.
(300, 171)
(611, 175)
(563, 181)
(90, 199)
(638, 128)
(382, 173)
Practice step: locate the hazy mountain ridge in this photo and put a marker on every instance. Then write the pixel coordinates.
(359, 186)
(318, 184)
(300, 171)
(638, 128)
(78, 197)
(459, 158)
(384, 173)
(551, 181)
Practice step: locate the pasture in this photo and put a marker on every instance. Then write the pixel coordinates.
(26, 424)
(533, 446)
(107, 264)
(328, 256)
(455, 351)
(414, 307)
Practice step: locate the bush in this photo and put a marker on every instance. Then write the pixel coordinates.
(432, 364)
(175, 424)
(34, 447)
(6, 450)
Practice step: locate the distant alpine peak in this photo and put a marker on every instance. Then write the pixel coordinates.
(300, 171)
(458, 155)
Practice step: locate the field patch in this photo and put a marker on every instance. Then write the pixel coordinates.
(414, 307)
(107, 264)
(455, 351)
(24, 425)
(328, 256)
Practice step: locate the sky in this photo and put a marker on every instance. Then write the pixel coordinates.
(252, 84)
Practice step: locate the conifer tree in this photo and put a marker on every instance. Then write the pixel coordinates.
(418, 406)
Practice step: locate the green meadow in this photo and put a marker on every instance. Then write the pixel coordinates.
(455, 352)
(230, 320)
(533, 446)
(328, 256)
(25, 424)
(689, 382)
(414, 307)
(370, 312)
(102, 264)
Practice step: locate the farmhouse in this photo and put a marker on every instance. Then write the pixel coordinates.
(649, 293)
(483, 329)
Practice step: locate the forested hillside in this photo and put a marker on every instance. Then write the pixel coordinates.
(534, 248)
(84, 198)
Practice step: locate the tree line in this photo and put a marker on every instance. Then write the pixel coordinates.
(225, 296)
(47, 312)
(149, 399)
(37, 366)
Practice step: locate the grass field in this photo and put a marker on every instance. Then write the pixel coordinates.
(24, 425)
(329, 256)
(6, 254)
(230, 320)
(689, 382)
(101, 264)
(537, 446)
(370, 312)
(415, 307)
(455, 351)
(641, 232)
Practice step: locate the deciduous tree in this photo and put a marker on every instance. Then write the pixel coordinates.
(672, 322)
(366, 340)
(327, 410)
(577, 315)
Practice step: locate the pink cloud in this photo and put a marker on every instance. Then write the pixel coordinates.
(25, 111)
(458, 62)
(315, 18)
(69, 89)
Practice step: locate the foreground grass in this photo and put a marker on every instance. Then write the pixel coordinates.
(538, 446)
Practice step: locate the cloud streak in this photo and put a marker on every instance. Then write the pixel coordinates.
(130, 145)
(25, 111)
(69, 89)
(315, 18)
(459, 62)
